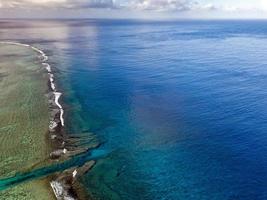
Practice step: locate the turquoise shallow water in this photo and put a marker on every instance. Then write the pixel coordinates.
(77, 161)
(181, 105)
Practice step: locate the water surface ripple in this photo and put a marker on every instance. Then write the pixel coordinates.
(182, 103)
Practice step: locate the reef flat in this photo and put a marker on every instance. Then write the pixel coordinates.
(24, 120)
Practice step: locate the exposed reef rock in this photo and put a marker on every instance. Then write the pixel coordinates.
(63, 184)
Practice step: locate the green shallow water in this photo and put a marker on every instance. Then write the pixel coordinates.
(24, 119)
(24, 112)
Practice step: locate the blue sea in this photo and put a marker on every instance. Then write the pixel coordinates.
(180, 105)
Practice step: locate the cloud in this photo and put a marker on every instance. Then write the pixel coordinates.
(163, 5)
(147, 5)
(68, 4)
(156, 5)
(245, 6)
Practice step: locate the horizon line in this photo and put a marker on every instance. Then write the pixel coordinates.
(136, 19)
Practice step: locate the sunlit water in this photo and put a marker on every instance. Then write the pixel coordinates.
(181, 105)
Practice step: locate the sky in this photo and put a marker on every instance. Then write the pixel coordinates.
(153, 9)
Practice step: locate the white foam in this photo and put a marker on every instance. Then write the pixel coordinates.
(52, 84)
(52, 125)
(51, 77)
(61, 117)
(57, 96)
(45, 58)
(47, 66)
(16, 43)
(59, 191)
(74, 173)
(57, 188)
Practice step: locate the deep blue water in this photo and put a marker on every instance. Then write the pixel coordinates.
(181, 105)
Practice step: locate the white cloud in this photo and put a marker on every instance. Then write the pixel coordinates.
(163, 5)
(157, 5)
(263, 5)
(153, 5)
(56, 3)
(245, 6)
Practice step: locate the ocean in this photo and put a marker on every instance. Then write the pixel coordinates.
(180, 105)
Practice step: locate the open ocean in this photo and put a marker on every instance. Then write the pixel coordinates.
(181, 105)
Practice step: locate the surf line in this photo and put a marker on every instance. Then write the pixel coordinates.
(44, 59)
